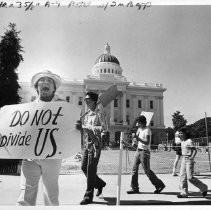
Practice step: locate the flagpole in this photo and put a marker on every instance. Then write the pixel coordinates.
(207, 139)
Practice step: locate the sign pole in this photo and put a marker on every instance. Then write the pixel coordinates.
(126, 158)
(207, 139)
(120, 168)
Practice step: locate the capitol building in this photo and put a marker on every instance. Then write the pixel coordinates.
(132, 98)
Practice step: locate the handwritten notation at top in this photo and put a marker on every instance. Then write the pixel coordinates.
(31, 5)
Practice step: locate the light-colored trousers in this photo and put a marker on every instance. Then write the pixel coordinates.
(186, 174)
(31, 171)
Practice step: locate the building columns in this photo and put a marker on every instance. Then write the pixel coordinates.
(112, 113)
(124, 108)
(74, 98)
(158, 122)
(161, 111)
(134, 101)
(146, 103)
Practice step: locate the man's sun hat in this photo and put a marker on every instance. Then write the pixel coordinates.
(46, 73)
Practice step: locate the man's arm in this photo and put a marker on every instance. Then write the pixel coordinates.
(193, 153)
(146, 142)
(193, 149)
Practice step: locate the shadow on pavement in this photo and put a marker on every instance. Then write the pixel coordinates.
(203, 176)
(207, 201)
(110, 200)
(155, 202)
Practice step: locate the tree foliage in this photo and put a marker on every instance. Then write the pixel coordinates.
(170, 132)
(198, 129)
(178, 120)
(10, 58)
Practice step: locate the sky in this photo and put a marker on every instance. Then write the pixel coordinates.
(164, 44)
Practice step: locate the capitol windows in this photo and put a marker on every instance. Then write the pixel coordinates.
(112, 71)
(104, 70)
(139, 104)
(115, 102)
(151, 105)
(127, 103)
(68, 99)
(80, 100)
(108, 70)
(101, 71)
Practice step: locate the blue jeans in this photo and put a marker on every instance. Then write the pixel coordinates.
(89, 167)
(186, 174)
(143, 157)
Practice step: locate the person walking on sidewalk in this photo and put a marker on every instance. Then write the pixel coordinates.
(142, 155)
(94, 125)
(177, 148)
(187, 166)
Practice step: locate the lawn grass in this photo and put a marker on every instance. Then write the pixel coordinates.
(161, 162)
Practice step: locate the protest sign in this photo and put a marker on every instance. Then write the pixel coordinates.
(39, 130)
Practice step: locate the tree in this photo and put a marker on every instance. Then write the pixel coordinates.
(198, 129)
(10, 58)
(170, 132)
(178, 120)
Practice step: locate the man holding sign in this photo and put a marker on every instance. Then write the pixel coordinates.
(94, 125)
(45, 83)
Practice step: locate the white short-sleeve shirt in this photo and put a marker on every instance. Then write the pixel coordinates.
(143, 133)
(187, 147)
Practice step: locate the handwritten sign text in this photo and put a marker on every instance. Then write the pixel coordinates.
(39, 130)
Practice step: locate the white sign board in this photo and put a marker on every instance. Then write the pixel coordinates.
(148, 116)
(39, 130)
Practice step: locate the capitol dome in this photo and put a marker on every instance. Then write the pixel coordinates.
(107, 57)
(107, 65)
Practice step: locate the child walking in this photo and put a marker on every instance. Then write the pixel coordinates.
(187, 166)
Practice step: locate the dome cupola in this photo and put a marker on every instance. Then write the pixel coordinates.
(107, 65)
(107, 57)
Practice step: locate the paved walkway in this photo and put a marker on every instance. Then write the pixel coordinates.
(72, 188)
